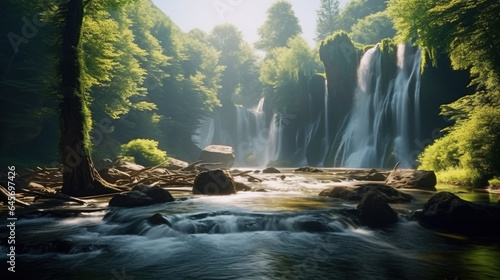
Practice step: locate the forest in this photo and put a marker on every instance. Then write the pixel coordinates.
(145, 84)
(372, 153)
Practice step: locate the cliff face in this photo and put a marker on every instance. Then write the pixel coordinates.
(374, 109)
(341, 59)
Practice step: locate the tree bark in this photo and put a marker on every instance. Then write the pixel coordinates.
(80, 178)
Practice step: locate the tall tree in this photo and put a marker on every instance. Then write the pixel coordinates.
(285, 71)
(359, 9)
(228, 40)
(327, 19)
(281, 25)
(80, 178)
(373, 28)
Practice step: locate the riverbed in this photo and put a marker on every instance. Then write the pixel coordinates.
(286, 232)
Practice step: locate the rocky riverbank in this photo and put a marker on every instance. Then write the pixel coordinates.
(38, 192)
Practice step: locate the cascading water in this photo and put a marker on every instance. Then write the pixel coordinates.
(326, 139)
(273, 148)
(254, 141)
(384, 119)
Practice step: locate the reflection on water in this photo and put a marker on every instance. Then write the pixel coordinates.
(288, 232)
(470, 194)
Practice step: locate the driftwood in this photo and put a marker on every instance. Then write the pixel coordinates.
(4, 194)
(52, 178)
(192, 166)
(55, 196)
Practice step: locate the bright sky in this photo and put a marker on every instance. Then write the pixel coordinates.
(247, 15)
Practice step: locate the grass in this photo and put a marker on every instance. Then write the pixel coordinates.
(461, 177)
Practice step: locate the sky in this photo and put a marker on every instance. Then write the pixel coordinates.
(247, 15)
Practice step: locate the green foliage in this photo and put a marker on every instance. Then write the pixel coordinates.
(326, 23)
(494, 183)
(460, 177)
(140, 74)
(281, 25)
(340, 48)
(284, 70)
(144, 152)
(28, 103)
(228, 40)
(471, 147)
(463, 28)
(373, 28)
(366, 20)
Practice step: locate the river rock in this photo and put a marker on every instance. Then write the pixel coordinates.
(372, 175)
(241, 187)
(357, 193)
(271, 170)
(374, 211)
(176, 164)
(103, 163)
(214, 182)
(158, 219)
(141, 195)
(308, 169)
(126, 166)
(412, 179)
(112, 175)
(448, 212)
(218, 156)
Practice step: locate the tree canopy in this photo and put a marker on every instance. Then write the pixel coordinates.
(326, 23)
(466, 29)
(281, 24)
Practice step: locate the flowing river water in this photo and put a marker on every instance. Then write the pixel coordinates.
(288, 232)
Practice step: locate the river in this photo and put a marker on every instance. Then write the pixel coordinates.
(288, 232)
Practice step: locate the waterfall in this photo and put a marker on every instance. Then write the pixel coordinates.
(255, 142)
(326, 138)
(273, 147)
(384, 119)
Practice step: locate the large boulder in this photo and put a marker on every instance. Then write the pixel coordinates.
(214, 182)
(374, 211)
(412, 179)
(218, 156)
(141, 195)
(357, 193)
(448, 212)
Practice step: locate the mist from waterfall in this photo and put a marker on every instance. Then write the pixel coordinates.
(255, 141)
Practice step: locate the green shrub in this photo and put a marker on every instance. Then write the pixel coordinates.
(144, 152)
(461, 177)
(469, 153)
(494, 183)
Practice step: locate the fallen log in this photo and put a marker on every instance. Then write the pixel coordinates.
(5, 197)
(55, 196)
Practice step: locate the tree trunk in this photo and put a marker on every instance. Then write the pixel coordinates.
(80, 178)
